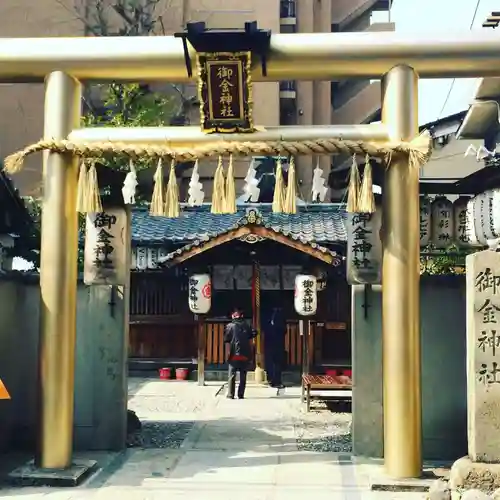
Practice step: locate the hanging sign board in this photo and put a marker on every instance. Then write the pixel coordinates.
(425, 221)
(225, 92)
(442, 222)
(200, 293)
(105, 257)
(364, 248)
(461, 237)
(306, 294)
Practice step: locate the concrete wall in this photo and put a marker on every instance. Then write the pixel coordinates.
(444, 402)
(100, 377)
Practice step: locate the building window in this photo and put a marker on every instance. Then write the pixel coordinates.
(287, 8)
(288, 112)
(288, 86)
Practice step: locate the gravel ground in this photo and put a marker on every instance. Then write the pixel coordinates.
(323, 429)
(153, 435)
(148, 398)
(327, 428)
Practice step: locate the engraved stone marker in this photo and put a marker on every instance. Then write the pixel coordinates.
(483, 355)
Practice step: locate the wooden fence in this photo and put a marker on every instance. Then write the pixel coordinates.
(216, 353)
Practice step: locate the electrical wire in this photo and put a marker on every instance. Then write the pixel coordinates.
(454, 79)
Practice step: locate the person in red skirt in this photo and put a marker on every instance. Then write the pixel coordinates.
(239, 335)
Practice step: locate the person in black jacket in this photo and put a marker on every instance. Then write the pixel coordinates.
(239, 335)
(275, 331)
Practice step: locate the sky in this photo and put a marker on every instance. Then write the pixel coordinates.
(423, 17)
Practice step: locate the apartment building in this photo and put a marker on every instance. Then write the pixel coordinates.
(286, 103)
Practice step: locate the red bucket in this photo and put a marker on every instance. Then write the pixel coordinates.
(181, 373)
(165, 373)
(331, 373)
(347, 373)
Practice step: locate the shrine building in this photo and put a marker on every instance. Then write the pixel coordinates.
(229, 247)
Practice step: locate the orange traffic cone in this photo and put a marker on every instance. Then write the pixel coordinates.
(4, 393)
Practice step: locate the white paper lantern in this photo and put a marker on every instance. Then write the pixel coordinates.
(471, 222)
(442, 222)
(492, 214)
(481, 219)
(495, 209)
(425, 221)
(461, 236)
(487, 216)
(200, 293)
(306, 294)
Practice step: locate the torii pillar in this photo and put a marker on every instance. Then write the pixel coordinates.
(401, 282)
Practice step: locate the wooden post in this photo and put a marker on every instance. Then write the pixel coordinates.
(303, 329)
(259, 358)
(310, 344)
(202, 348)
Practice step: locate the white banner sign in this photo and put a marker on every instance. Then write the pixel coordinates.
(106, 240)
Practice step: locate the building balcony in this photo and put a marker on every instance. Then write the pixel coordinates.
(288, 12)
(354, 15)
(288, 89)
(360, 107)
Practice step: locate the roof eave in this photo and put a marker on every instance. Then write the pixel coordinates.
(488, 88)
(479, 120)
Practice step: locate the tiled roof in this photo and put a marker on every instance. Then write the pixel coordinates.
(322, 223)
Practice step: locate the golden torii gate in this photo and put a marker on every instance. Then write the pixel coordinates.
(398, 59)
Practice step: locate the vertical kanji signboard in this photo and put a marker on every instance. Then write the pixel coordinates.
(364, 248)
(105, 248)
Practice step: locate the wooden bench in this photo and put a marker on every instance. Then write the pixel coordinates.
(323, 383)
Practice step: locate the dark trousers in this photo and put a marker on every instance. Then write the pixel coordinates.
(275, 370)
(237, 366)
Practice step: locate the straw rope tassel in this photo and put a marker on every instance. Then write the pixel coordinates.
(81, 194)
(172, 208)
(353, 189)
(219, 191)
(93, 197)
(230, 200)
(290, 205)
(279, 189)
(366, 198)
(158, 202)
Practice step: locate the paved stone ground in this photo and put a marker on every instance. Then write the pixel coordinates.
(197, 444)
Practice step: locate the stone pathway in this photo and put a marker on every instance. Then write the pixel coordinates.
(196, 444)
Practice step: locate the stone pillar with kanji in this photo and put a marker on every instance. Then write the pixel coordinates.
(483, 356)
